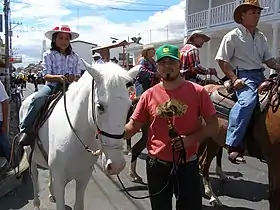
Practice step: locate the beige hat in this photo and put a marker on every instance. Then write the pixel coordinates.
(199, 33)
(247, 4)
(146, 48)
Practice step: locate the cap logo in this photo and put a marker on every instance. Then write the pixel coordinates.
(165, 50)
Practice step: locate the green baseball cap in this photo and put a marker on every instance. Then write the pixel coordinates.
(167, 50)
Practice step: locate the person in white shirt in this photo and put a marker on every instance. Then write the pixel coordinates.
(97, 58)
(5, 147)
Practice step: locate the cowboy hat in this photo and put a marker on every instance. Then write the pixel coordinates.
(62, 28)
(96, 54)
(199, 33)
(243, 7)
(148, 47)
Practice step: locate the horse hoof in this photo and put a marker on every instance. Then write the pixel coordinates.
(36, 208)
(52, 199)
(215, 202)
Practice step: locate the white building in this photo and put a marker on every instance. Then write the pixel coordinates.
(215, 18)
(83, 49)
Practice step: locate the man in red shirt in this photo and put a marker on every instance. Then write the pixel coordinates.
(177, 103)
(191, 65)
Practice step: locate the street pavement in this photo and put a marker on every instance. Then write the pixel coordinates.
(247, 189)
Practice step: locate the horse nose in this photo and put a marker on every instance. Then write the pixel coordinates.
(109, 167)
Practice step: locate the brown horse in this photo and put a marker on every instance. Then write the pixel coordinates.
(263, 131)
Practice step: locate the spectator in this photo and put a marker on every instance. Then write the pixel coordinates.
(4, 141)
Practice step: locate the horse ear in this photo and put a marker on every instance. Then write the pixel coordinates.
(92, 71)
(133, 72)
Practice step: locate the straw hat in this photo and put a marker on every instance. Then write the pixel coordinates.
(146, 48)
(247, 4)
(199, 33)
(62, 28)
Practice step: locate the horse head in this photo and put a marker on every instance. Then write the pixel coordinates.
(109, 105)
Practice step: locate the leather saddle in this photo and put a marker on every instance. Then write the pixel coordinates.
(224, 98)
(49, 107)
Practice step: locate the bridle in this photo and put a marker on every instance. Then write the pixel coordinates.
(99, 131)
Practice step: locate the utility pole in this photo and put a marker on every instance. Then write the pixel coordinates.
(7, 53)
(11, 35)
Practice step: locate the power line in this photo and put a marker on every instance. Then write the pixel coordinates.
(132, 3)
(104, 7)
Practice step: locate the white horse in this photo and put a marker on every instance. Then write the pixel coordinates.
(103, 108)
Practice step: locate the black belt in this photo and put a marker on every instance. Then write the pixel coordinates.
(170, 163)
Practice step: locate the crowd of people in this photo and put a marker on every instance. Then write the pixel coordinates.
(168, 103)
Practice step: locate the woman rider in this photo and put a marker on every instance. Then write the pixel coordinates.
(57, 62)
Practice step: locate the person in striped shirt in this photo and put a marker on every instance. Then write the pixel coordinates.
(190, 60)
(57, 62)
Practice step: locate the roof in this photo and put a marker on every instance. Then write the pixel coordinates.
(112, 45)
(75, 41)
(156, 44)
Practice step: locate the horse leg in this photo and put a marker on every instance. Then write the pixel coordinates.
(81, 185)
(59, 184)
(219, 171)
(34, 176)
(207, 152)
(50, 186)
(274, 185)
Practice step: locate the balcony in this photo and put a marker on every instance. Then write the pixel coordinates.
(223, 14)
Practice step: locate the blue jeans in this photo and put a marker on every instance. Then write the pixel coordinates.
(138, 88)
(243, 109)
(5, 147)
(36, 104)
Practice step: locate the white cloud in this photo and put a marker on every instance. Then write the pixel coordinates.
(101, 2)
(96, 29)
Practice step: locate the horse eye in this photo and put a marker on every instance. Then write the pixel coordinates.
(100, 107)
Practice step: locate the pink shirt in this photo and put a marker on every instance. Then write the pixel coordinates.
(189, 101)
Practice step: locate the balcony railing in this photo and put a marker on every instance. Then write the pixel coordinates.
(223, 14)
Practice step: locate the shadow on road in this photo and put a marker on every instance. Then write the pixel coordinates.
(18, 198)
(241, 189)
(224, 208)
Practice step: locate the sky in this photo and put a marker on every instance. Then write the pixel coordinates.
(95, 20)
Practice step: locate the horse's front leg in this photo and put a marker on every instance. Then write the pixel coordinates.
(50, 186)
(34, 177)
(81, 185)
(59, 184)
(219, 171)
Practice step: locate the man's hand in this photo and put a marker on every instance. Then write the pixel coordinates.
(212, 71)
(182, 142)
(238, 84)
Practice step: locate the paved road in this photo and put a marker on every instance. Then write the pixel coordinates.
(246, 191)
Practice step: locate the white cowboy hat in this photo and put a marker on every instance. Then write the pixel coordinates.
(199, 33)
(243, 7)
(148, 47)
(96, 54)
(62, 28)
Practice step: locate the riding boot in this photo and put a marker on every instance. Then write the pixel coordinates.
(25, 139)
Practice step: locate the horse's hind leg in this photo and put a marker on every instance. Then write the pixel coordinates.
(219, 170)
(34, 176)
(81, 185)
(50, 185)
(207, 151)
